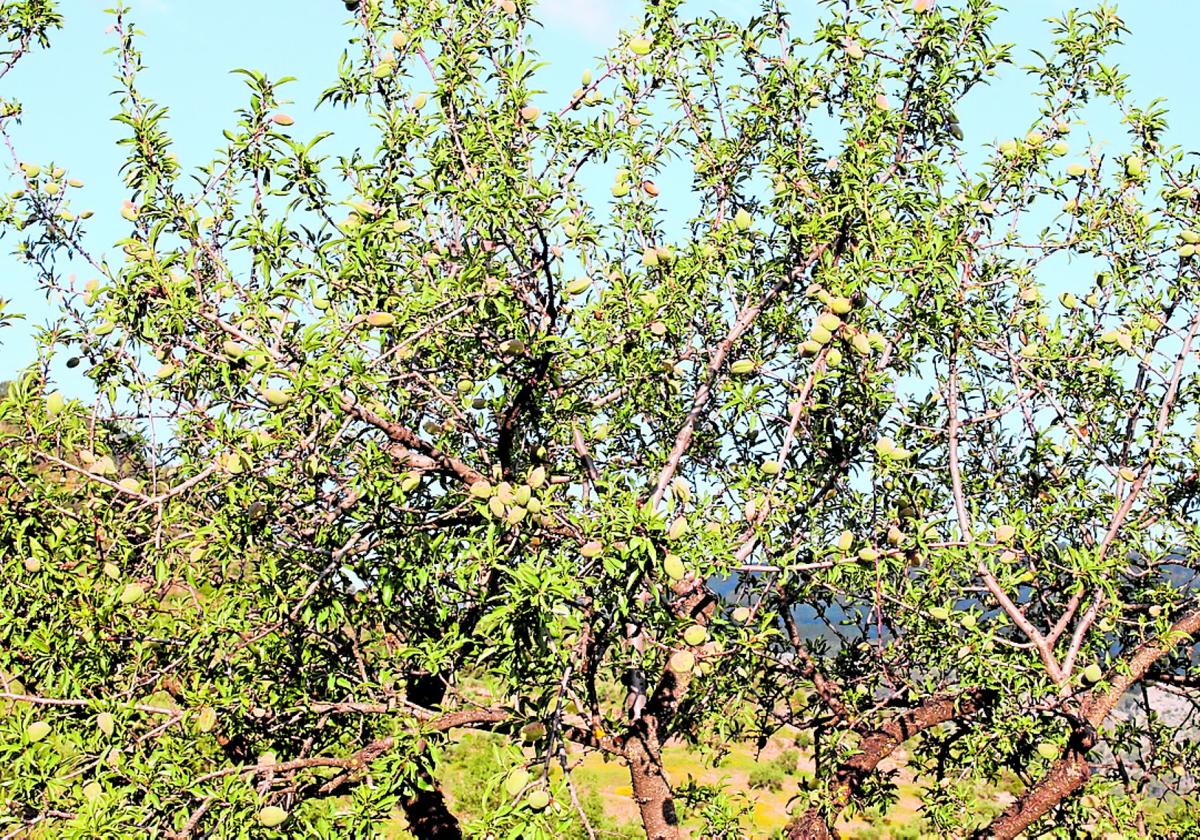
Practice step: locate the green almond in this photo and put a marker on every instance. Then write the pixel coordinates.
(673, 567)
(272, 816)
(830, 321)
(516, 781)
(682, 661)
(132, 593)
(640, 46)
(206, 719)
(678, 528)
(579, 285)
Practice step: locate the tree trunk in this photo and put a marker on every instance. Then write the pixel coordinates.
(651, 789)
(809, 826)
(642, 743)
(429, 818)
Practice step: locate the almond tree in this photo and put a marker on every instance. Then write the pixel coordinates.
(460, 430)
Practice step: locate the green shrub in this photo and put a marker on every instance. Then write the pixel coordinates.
(909, 831)
(789, 760)
(768, 776)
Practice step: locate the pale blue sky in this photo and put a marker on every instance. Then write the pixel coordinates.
(192, 44)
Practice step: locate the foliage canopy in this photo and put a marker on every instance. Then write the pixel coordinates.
(461, 430)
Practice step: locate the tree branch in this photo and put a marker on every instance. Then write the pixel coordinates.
(418, 453)
(878, 744)
(1070, 772)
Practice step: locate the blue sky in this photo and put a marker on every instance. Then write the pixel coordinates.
(191, 46)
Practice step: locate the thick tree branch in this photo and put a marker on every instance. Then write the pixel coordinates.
(1070, 772)
(416, 452)
(878, 744)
